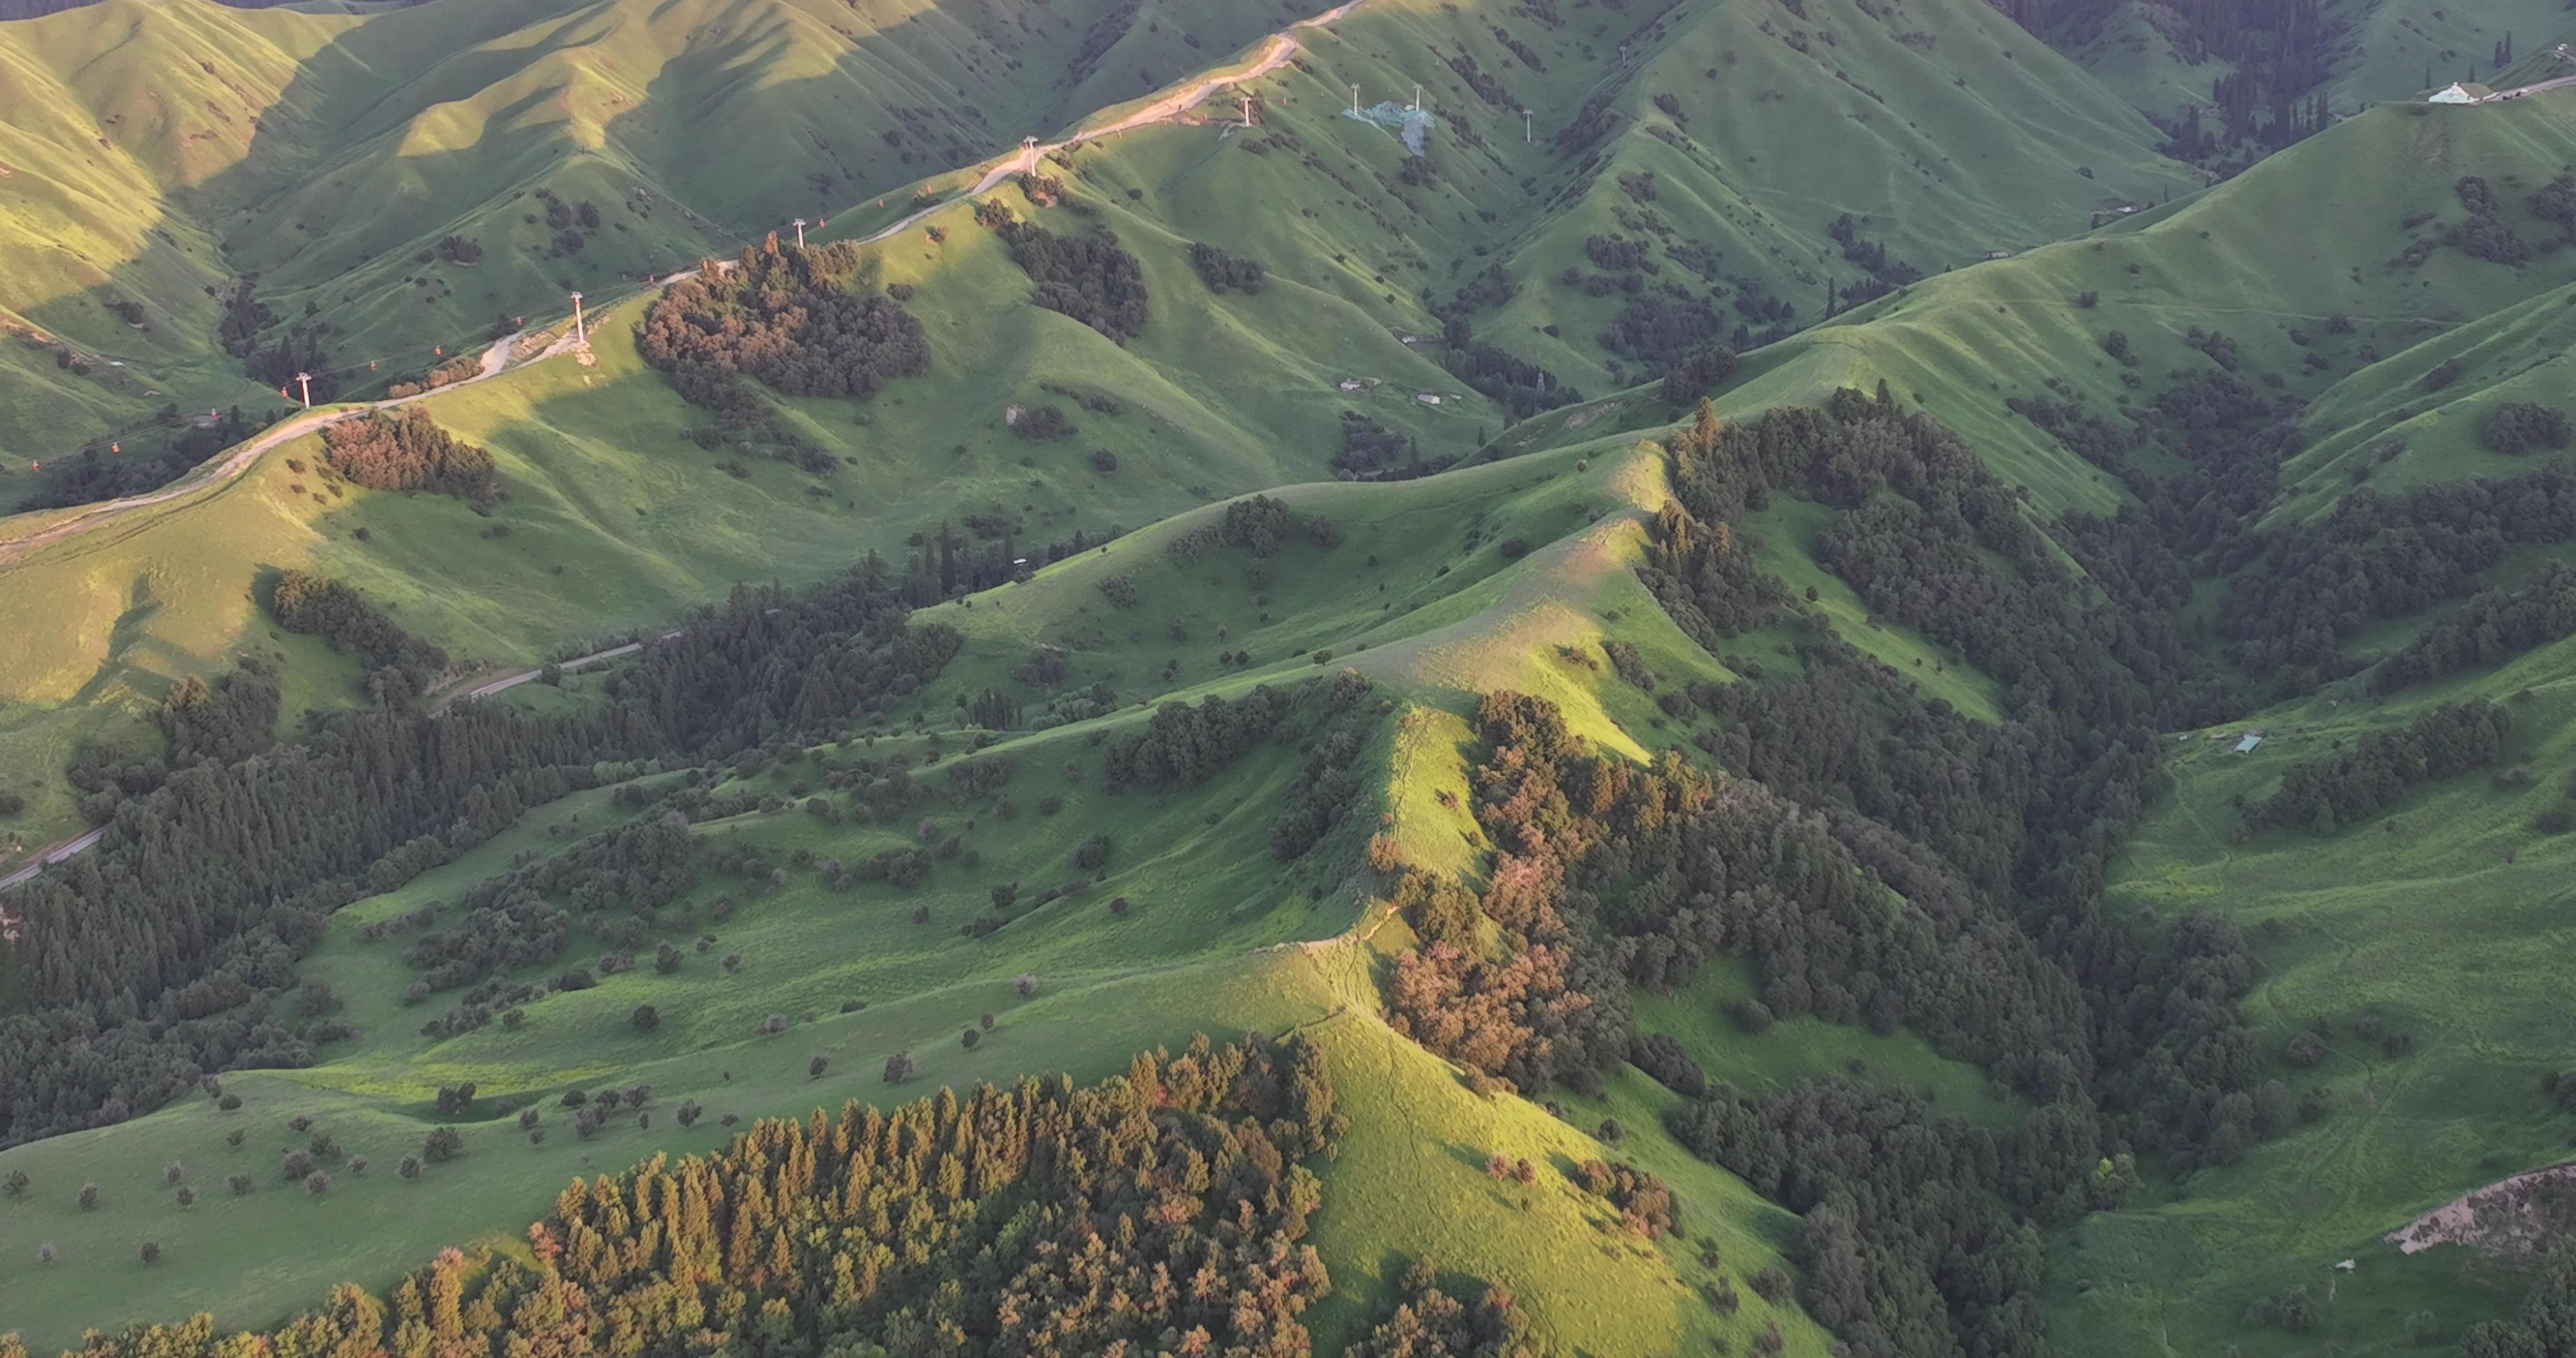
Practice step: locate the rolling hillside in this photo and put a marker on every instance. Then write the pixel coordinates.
(160, 153)
(1252, 577)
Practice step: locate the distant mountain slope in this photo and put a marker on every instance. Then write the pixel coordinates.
(386, 177)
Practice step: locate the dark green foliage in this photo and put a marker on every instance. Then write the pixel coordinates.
(1662, 333)
(1708, 585)
(1088, 278)
(785, 317)
(1520, 387)
(1332, 780)
(2374, 558)
(2494, 625)
(1183, 746)
(1699, 373)
(1372, 452)
(2556, 202)
(409, 451)
(1909, 1243)
(1040, 424)
(1222, 271)
(1429, 1323)
(2484, 234)
(233, 718)
(134, 471)
(2378, 769)
(2525, 426)
(400, 664)
(1663, 1056)
(1256, 523)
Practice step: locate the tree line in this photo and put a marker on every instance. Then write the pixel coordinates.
(2377, 771)
(400, 665)
(155, 958)
(112, 476)
(1164, 1210)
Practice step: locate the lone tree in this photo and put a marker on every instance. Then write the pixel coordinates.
(187, 1196)
(15, 1185)
(898, 1068)
(238, 1183)
(1025, 984)
(357, 1164)
(444, 1144)
(89, 1197)
(970, 1037)
(317, 1183)
(645, 1018)
(814, 1069)
(409, 1168)
(151, 1251)
(173, 1173)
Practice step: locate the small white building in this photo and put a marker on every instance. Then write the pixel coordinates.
(2461, 92)
(1428, 399)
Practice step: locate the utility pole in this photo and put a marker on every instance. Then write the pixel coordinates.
(1029, 148)
(1529, 134)
(1247, 110)
(800, 233)
(305, 381)
(580, 335)
(1355, 101)
(1417, 96)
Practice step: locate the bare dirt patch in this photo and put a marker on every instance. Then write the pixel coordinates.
(2517, 1215)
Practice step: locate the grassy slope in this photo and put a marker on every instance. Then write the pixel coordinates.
(1772, 143)
(158, 149)
(2413, 918)
(1223, 395)
(1960, 343)
(1196, 953)
(2386, 52)
(2518, 354)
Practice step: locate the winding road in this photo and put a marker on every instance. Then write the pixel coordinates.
(496, 360)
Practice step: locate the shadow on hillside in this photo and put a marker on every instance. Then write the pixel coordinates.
(737, 129)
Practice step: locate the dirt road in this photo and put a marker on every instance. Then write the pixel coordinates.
(55, 854)
(234, 463)
(496, 359)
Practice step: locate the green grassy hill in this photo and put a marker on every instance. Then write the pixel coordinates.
(1688, 170)
(1217, 938)
(159, 150)
(2388, 423)
(2435, 919)
(616, 521)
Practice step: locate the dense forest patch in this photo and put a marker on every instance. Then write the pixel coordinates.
(790, 318)
(1161, 1211)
